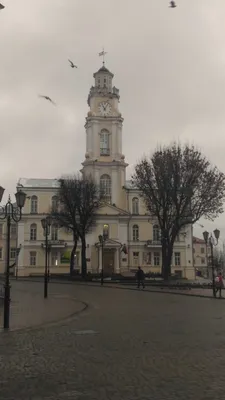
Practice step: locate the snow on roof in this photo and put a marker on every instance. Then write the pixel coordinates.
(38, 183)
(129, 185)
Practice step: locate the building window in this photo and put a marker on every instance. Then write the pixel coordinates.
(156, 258)
(54, 259)
(13, 252)
(1, 253)
(106, 231)
(33, 232)
(135, 205)
(54, 203)
(135, 233)
(34, 205)
(156, 233)
(202, 260)
(33, 258)
(202, 250)
(177, 258)
(105, 188)
(13, 230)
(147, 258)
(104, 143)
(54, 232)
(136, 258)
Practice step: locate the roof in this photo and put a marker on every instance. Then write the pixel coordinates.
(104, 70)
(40, 183)
(129, 185)
(198, 240)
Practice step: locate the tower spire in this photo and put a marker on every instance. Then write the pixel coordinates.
(102, 54)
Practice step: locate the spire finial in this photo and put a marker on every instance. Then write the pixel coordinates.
(102, 54)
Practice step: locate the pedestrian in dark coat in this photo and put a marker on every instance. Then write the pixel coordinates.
(140, 277)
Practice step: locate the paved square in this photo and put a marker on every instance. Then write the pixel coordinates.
(148, 346)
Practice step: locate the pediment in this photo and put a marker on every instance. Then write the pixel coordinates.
(108, 209)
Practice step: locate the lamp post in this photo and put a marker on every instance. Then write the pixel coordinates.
(9, 212)
(1, 7)
(102, 239)
(211, 241)
(46, 223)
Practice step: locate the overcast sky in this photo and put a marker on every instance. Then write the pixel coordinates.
(169, 65)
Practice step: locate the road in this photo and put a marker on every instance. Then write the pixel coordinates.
(130, 345)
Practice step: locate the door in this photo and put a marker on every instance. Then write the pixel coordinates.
(108, 261)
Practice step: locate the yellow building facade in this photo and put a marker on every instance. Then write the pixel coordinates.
(123, 212)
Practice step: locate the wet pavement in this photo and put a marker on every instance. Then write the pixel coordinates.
(126, 345)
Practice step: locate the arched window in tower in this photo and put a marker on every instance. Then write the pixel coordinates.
(156, 233)
(104, 143)
(105, 188)
(135, 233)
(135, 205)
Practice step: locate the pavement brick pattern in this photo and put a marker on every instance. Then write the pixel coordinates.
(127, 345)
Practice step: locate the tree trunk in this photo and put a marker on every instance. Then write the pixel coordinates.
(83, 257)
(167, 252)
(73, 252)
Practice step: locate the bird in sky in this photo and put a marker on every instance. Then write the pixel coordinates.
(1, 6)
(47, 98)
(72, 64)
(172, 4)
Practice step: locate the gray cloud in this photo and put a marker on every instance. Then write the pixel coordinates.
(168, 64)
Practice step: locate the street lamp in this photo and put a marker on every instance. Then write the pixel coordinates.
(102, 239)
(9, 212)
(1, 6)
(46, 223)
(211, 241)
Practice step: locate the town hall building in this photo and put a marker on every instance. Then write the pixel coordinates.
(123, 213)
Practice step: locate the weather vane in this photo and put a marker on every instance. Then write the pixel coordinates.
(102, 54)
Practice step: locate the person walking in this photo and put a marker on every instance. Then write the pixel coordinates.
(140, 277)
(219, 284)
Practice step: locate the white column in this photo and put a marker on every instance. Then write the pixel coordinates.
(95, 140)
(120, 139)
(100, 259)
(117, 261)
(114, 186)
(20, 241)
(97, 176)
(114, 150)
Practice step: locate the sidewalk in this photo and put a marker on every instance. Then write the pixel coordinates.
(206, 293)
(29, 310)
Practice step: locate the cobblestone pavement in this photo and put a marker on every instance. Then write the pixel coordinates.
(127, 345)
(28, 308)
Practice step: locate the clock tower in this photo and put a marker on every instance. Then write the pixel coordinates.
(104, 159)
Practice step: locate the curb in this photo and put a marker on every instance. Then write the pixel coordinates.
(97, 284)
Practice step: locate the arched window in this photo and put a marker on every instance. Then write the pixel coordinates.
(34, 205)
(106, 231)
(156, 233)
(104, 143)
(105, 188)
(54, 232)
(135, 233)
(135, 205)
(54, 203)
(33, 232)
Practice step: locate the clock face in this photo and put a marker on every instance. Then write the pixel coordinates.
(105, 108)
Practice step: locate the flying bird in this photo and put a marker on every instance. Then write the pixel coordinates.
(1, 6)
(72, 64)
(172, 4)
(48, 98)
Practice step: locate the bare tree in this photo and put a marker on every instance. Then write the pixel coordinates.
(78, 202)
(179, 186)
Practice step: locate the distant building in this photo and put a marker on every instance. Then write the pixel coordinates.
(201, 257)
(123, 211)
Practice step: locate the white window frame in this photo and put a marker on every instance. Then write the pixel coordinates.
(156, 233)
(135, 233)
(104, 143)
(34, 205)
(33, 232)
(156, 258)
(54, 233)
(106, 187)
(33, 258)
(13, 251)
(135, 206)
(177, 259)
